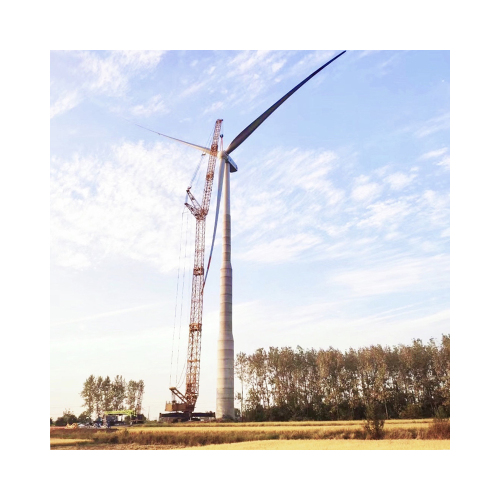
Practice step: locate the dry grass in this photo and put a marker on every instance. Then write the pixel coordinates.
(278, 427)
(239, 425)
(185, 435)
(67, 442)
(115, 447)
(335, 444)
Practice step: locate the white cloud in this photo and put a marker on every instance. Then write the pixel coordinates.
(100, 72)
(404, 274)
(249, 60)
(281, 249)
(277, 66)
(192, 89)
(383, 68)
(128, 204)
(444, 162)
(436, 206)
(110, 72)
(441, 157)
(386, 214)
(346, 327)
(154, 105)
(64, 103)
(278, 183)
(359, 54)
(366, 192)
(214, 107)
(399, 180)
(434, 125)
(108, 314)
(139, 59)
(436, 153)
(309, 61)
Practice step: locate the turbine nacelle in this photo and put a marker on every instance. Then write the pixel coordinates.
(232, 166)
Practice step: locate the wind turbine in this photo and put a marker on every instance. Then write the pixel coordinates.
(225, 349)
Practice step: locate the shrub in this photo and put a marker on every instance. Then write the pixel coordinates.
(67, 418)
(374, 423)
(443, 412)
(439, 429)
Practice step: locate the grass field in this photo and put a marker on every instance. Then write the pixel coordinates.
(334, 444)
(232, 435)
(239, 425)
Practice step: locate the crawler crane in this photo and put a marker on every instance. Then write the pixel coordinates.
(188, 399)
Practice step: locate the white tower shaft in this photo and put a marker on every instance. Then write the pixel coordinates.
(225, 344)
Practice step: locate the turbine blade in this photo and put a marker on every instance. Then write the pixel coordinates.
(219, 193)
(243, 135)
(201, 148)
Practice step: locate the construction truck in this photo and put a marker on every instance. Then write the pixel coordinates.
(116, 417)
(172, 417)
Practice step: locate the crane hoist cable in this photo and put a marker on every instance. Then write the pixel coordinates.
(176, 295)
(182, 295)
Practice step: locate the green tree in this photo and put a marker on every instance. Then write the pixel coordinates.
(240, 371)
(84, 418)
(107, 394)
(139, 396)
(442, 367)
(118, 390)
(98, 396)
(88, 394)
(402, 381)
(131, 394)
(67, 418)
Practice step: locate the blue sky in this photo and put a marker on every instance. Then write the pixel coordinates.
(340, 207)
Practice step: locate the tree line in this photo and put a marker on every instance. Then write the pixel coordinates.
(103, 394)
(404, 381)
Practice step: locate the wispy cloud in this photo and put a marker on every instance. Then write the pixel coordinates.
(434, 125)
(214, 107)
(283, 249)
(436, 153)
(192, 89)
(249, 76)
(126, 203)
(109, 72)
(129, 204)
(346, 327)
(116, 312)
(366, 192)
(100, 72)
(154, 105)
(404, 274)
(399, 180)
(64, 103)
(441, 157)
(384, 67)
(386, 214)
